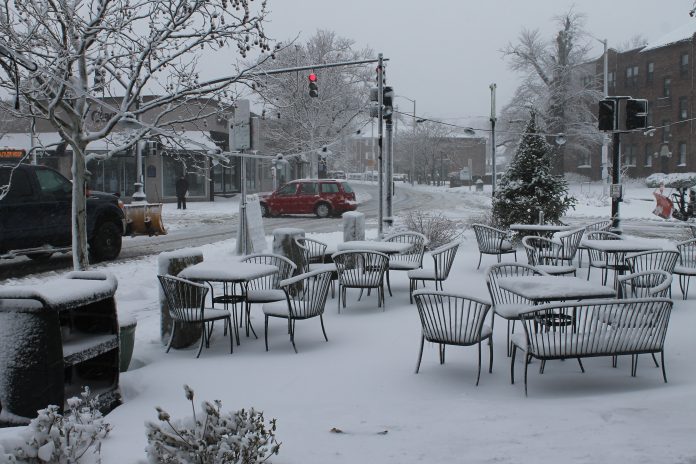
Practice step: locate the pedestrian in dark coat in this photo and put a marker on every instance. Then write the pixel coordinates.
(182, 187)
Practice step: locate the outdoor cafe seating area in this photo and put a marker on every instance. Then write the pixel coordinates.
(553, 295)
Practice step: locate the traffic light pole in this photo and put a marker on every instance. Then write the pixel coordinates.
(616, 179)
(380, 167)
(389, 148)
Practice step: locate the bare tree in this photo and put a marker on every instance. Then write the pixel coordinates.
(555, 84)
(431, 150)
(67, 57)
(300, 123)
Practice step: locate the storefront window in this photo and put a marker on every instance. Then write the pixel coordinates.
(174, 166)
(226, 178)
(113, 175)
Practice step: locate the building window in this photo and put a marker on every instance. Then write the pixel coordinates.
(584, 160)
(587, 81)
(650, 74)
(682, 154)
(647, 162)
(611, 79)
(684, 65)
(666, 130)
(630, 155)
(683, 108)
(667, 87)
(631, 76)
(649, 119)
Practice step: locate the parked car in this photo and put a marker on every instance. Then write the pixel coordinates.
(336, 175)
(35, 215)
(323, 197)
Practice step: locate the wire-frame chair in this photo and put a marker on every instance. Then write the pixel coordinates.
(409, 259)
(443, 258)
(506, 304)
(186, 302)
(600, 259)
(314, 257)
(637, 326)
(451, 319)
(545, 255)
(266, 289)
(599, 226)
(645, 284)
(652, 260)
(686, 268)
(692, 230)
(492, 241)
(361, 269)
(305, 297)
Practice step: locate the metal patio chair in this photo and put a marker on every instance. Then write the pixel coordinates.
(305, 298)
(266, 289)
(443, 258)
(451, 319)
(545, 254)
(361, 269)
(506, 304)
(600, 259)
(492, 241)
(686, 267)
(662, 260)
(410, 259)
(186, 302)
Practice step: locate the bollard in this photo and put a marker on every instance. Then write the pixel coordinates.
(353, 226)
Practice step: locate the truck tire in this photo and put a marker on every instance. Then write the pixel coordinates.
(106, 242)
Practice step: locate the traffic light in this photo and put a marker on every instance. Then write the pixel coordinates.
(388, 101)
(313, 88)
(636, 114)
(605, 117)
(374, 102)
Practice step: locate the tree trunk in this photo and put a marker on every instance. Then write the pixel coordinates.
(79, 210)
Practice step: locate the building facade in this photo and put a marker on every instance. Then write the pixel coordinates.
(663, 73)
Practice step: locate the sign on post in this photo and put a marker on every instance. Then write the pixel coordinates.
(241, 137)
(616, 191)
(254, 233)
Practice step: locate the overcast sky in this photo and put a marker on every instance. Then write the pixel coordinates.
(446, 53)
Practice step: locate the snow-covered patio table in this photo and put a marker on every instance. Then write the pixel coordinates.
(539, 289)
(539, 229)
(388, 248)
(229, 274)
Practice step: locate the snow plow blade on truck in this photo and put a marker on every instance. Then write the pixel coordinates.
(144, 219)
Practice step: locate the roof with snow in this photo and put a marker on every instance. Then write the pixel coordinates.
(680, 34)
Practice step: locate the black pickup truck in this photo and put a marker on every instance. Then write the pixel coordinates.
(35, 215)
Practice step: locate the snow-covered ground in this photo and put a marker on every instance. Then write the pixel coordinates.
(362, 382)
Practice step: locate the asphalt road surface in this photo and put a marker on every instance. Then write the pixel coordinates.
(406, 199)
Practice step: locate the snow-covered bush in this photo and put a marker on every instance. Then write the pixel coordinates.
(528, 187)
(215, 438)
(54, 438)
(674, 180)
(435, 226)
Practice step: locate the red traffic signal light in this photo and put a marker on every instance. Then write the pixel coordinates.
(313, 87)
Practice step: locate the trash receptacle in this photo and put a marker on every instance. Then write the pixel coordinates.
(479, 185)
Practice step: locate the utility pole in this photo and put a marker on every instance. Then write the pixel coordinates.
(493, 120)
(389, 170)
(380, 114)
(605, 138)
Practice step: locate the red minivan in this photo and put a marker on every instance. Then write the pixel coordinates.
(323, 197)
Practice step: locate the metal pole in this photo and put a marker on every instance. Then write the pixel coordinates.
(413, 145)
(493, 120)
(389, 172)
(139, 194)
(616, 178)
(605, 138)
(380, 114)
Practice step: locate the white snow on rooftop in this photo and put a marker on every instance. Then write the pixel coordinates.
(684, 32)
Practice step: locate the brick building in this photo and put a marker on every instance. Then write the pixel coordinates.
(663, 73)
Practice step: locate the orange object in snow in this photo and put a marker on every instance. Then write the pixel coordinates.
(664, 206)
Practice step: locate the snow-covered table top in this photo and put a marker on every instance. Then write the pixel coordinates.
(539, 227)
(370, 245)
(78, 289)
(227, 272)
(623, 246)
(554, 288)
